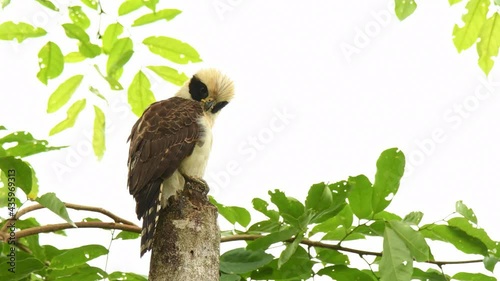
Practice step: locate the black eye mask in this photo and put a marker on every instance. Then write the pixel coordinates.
(197, 89)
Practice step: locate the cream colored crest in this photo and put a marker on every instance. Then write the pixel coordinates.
(220, 87)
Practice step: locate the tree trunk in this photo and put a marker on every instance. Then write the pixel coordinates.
(187, 238)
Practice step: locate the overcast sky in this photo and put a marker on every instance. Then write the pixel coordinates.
(322, 88)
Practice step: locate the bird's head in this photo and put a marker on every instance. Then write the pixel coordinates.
(210, 87)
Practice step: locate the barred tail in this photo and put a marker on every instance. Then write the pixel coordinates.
(148, 207)
(149, 226)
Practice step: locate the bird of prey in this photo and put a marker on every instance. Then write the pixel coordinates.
(171, 142)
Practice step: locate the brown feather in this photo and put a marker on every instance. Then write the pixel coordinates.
(166, 134)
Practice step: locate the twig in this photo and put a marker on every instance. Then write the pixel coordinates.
(250, 237)
(28, 209)
(61, 226)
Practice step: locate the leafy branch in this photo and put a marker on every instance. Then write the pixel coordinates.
(110, 51)
(312, 243)
(123, 224)
(480, 26)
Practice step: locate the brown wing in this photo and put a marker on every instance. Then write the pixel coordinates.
(166, 133)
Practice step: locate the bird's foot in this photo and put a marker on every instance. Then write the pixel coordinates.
(201, 183)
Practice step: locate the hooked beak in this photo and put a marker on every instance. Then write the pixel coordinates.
(208, 103)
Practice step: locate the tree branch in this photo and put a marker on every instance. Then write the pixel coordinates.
(251, 237)
(35, 207)
(61, 226)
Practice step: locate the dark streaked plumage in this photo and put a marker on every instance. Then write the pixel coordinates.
(166, 133)
(173, 140)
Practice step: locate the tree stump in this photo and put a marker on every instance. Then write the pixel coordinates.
(187, 238)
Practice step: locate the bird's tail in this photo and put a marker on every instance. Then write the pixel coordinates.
(149, 221)
(151, 201)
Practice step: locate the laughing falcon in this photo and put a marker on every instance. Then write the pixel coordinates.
(171, 141)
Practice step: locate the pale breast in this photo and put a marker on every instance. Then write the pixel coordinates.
(195, 164)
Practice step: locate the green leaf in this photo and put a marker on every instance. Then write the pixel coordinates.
(290, 250)
(331, 256)
(229, 277)
(261, 206)
(127, 235)
(465, 276)
(266, 226)
(129, 6)
(387, 216)
(26, 144)
(63, 93)
(74, 57)
(78, 17)
(390, 169)
(119, 276)
(151, 4)
(50, 61)
(266, 241)
(110, 36)
(51, 202)
(429, 275)
(128, 276)
(453, 2)
(19, 31)
(20, 171)
(85, 47)
(489, 44)
(113, 83)
(90, 3)
(465, 211)
(4, 3)
(140, 95)
(319, 198)
(360, 197)
(241, 260)
(343, 233)
(172, 49)
(77, 256)
(120, 54)
(342, 272)
(343, 218)
(169, 74)
(490, 262)
(48, 4)
(23, 268)
(91, 220)
(474, 231)
(82, 272)
(455, 236)
(464, 37)
(286, 205)
(71, 116)
(98, 139)
(396, 263)
(414, 240)
(97, 93)
(414, 218)
(166, 14)
(298, 267)
(405, 8)
(232, 213)
(340, 191)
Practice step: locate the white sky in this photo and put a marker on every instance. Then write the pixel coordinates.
(305, 110)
